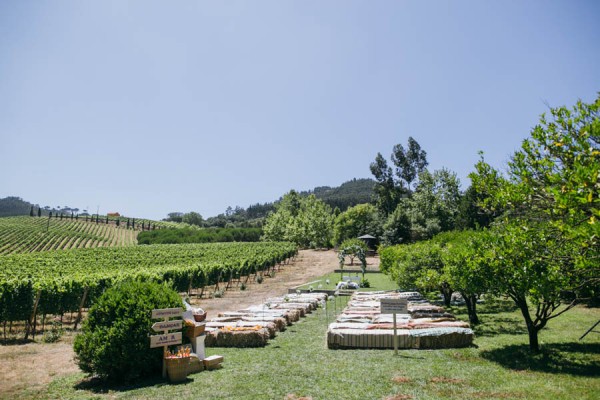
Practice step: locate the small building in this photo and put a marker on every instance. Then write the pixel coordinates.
(113, 214)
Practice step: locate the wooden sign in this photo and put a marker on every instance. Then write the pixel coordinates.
(394, 306)
(167, 325)
(167, 313)
(167, 339)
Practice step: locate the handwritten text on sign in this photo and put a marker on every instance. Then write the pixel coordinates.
(167, 325)
(167, 313)
(167, 339)
(394, 306)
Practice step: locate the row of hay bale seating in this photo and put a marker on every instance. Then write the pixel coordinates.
(362, 326)
(255, 325)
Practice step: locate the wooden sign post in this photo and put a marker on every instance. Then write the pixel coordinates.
(166, 339)
(394, 306)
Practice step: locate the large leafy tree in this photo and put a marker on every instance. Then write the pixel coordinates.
(391, 188)
(357, 221)
(551, 198)
(385, 191)
(306, 221)
(466, 269)
(409, 162)
(432, 208)
(193, 218)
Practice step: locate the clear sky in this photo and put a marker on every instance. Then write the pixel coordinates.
(147, 107)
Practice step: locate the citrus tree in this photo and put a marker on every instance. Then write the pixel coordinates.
(545, 255)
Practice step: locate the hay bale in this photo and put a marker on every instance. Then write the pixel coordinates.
(280, 322)
(302, 309)
(239, 339)
(368, 339)
(269, 326)
(292, 316)
(227, 319)
(425, 308)
(418, 315)
(442, 338)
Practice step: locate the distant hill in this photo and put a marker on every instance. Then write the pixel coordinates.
(348, 194)
(14, 206)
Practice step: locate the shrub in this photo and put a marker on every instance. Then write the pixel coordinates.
(55, 333)
(364, 283)
(114, 342)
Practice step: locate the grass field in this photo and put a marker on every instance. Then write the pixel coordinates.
(298, 364)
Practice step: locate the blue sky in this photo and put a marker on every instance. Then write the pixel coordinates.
(148, 107)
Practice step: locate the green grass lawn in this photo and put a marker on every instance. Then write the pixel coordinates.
(297, 363)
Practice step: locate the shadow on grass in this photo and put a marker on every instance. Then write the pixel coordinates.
(15, 341)
(562, 358)
(100, 386)
(492, 326)
(496, 306)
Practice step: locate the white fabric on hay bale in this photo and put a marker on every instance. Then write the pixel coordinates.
(419, 314)
(353, 318)
(433, 338)
(368, 339)
(290, 316)
(269, 326)
(443, 338)
(280, 322)
(300, 307)
(219, 338)
(226, 319)
(425, 308)
(389, 318)
(438, 330)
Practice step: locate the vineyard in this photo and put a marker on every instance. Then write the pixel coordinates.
(26, 234)
(54, 283)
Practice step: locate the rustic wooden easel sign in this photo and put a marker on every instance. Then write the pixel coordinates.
(166, 339)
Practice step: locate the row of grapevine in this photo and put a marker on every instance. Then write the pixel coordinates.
(26, 234)
(58, 282)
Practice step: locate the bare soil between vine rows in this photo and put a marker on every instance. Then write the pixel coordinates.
(28, 368)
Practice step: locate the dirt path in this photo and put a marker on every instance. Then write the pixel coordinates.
(32, 366)
(307, 266)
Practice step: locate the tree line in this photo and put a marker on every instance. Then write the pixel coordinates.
(541, 247)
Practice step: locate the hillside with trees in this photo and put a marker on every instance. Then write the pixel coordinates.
(14, 206)
(348, 194)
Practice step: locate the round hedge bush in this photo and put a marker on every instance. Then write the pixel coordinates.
(114, 343)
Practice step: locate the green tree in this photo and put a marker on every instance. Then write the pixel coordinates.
(192, 218)
(533, 265)
(386, 193)
(466, 268)
(317, 221)
(306, 221)
(551, 198)
(397, 228)
(470, 214)
(417, 266)
(409, 163)
(357, 221)
(432, 208)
